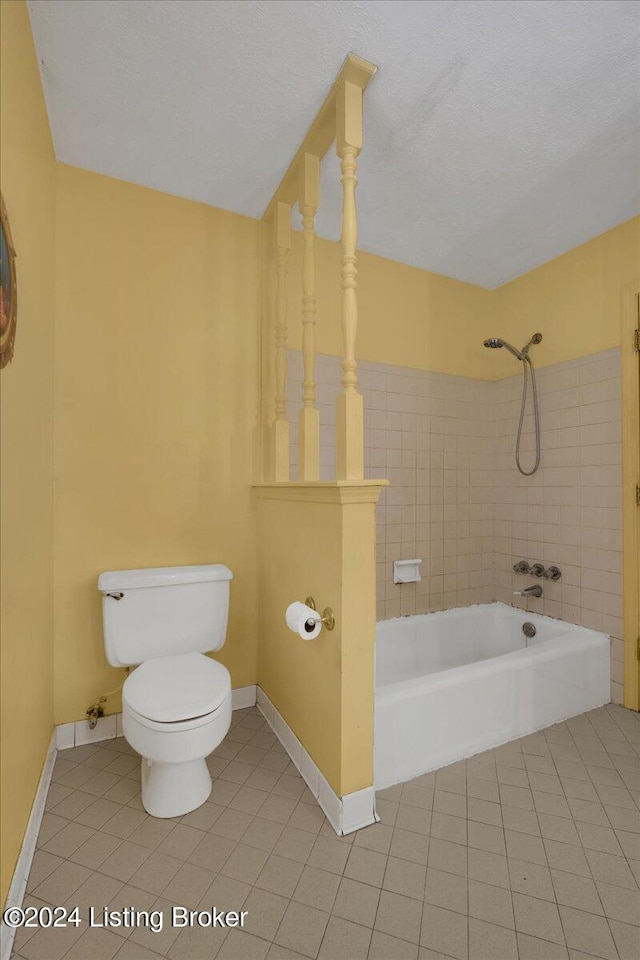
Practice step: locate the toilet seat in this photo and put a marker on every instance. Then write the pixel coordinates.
(182, 691)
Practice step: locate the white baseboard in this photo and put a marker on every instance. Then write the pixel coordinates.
(23, 866)
(243, 697)
(345, 814)
(108, 728)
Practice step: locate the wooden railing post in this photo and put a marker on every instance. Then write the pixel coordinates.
(309, 421)
(350, 410)
(281, 425)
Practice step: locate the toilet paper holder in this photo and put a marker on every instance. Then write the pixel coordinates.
(327, 619)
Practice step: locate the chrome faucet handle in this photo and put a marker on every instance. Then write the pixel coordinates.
(537, 570)
(552, 573)
(521, 567)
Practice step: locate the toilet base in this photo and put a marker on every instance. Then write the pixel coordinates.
(173, 789)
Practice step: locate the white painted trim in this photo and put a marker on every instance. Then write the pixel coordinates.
(243, 697)
(18, 886)
(345, 814)
(69, 735)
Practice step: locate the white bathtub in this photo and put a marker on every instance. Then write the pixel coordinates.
(451, 684)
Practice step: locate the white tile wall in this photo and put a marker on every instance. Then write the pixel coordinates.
(457, 501)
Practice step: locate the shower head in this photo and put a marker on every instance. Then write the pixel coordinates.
(494, 342)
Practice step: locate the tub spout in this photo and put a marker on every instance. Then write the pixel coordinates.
(534, 591)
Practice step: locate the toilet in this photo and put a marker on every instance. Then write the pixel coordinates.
(176, 703)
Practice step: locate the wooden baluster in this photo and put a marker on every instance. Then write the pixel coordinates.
(350, 409)
(281, 425)
(309, 421)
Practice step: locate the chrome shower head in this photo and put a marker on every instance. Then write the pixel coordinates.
(494, 342)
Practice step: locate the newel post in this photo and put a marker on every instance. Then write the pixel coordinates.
(350, 410)
(309, 421)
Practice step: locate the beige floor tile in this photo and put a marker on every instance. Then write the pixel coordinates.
(294, 844)
(50, 825)
(122, 791)
(280, 875)
(188, 886)
(521, 846)
(406, 878)
(239, 945)
(225, 894)
(446, 890)
(302, 929)
(59, 885)
(317, 888)
(262, 834)
(558, 828)
(181, 841)
(376, 837)
(490, 903)
(277, 808)
(565, 856)
(65, 841)
(537, 918)
(484, 811)
(100, 783)
(152, 831)
(610, 869)
(94, 851)
(130, 950)
(96, 813)
(574, 891)
(488, 868)
(409, 846)
(414, 819)
(98, 944)
(453, 804)
(415, 795)
(155, 872)
(482, 789)
(367, 866)
(276, 952)
(383, 947)
(532, 879)
(625, 936)
(51, 943)
(398, 916)
(328, 854)
(264, 912)
(595, 837)
(42, 866)
(522, 821)
(629, 842)
(356, 901)
(343, 938)
(307, 816)
(197, 943)
(387, 811)
(488, 940)
(445, 932)
(245, 863)
(248, 799)
(161, 941)
(212, 852)
(619, 903)
(484, 836)
(586, 932)
(532, 948)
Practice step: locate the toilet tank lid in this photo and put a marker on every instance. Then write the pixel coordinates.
(161, 576)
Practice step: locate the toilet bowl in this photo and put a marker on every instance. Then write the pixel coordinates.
(176, 703)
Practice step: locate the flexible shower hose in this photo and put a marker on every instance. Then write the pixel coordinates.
(536, 417)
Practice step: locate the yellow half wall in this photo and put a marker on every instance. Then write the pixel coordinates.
(26, 395)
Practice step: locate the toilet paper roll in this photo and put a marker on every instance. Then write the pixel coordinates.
(303, 620)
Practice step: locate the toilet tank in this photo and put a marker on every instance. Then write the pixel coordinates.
(163, 612)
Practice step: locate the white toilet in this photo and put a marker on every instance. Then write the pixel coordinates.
(176, 705)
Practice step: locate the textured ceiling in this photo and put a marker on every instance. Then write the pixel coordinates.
(497, 134)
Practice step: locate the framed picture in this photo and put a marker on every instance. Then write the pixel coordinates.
(8, 289)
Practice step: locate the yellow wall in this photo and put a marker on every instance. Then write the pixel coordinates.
(156, 409)
(26, 388)
(418, 319)
(407, 317)
(574, 300)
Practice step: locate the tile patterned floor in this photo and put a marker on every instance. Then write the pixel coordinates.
(527, 852)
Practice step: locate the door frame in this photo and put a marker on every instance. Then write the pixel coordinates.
(630, 320)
